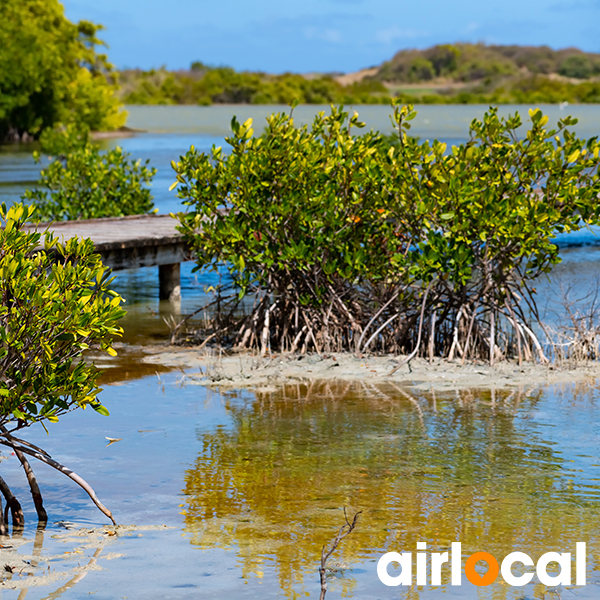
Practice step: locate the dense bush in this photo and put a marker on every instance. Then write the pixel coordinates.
(56, 303)
(346, 242)
(50, 72)
(87, 184)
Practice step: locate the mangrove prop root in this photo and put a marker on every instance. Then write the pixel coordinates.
(3, 527)
(312, 335)
(13, 505)
(492, 340)
(346, 529)
(467, 341)
(457, 322)
(362, 335)
(517, 332)
(432, 338)
(455, 343)
(418, 344)
(66, 471)
(36, 494)
(297, 339)
(536, 343)
(379, 331)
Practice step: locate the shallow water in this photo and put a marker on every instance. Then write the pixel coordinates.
(252, 485)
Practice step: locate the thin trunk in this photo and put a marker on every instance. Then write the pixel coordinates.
(36, 494)
(12, 504)
(3, 525)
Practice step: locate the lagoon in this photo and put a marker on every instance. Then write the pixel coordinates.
(233, 493)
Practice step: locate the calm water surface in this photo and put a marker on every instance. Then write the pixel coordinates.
(251, 485)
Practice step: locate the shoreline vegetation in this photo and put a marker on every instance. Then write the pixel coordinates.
(442, 74)
(80, 90)
(335, 241)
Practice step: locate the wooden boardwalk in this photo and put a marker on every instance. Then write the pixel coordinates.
(132, 242)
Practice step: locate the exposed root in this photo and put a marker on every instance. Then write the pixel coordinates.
(56, 465)
(12, 505)
(36, 494)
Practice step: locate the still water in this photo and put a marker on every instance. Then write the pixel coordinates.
(241, 489)
(245, 488)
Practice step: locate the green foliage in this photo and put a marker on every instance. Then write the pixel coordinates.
(292, 201)
(50, 71)
(88, 184)
(450, 74)
(420, 69)
(578, 66)
(480, 74)
(337, 224)
(217, 85)
(56, 303)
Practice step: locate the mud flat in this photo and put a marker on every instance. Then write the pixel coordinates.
(211, 368)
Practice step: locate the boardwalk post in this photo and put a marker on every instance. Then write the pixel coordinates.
(132, 242)
(169, 281)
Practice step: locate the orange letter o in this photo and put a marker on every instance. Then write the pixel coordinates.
(472, 574)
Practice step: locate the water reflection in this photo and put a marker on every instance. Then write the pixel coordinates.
(55, 568)
(497, 471)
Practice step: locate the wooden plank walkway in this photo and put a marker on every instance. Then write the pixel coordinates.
(133, 242)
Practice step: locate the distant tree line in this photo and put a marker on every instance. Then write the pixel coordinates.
(53, 77)
(443, 74)
(206, 85)
(476, 73)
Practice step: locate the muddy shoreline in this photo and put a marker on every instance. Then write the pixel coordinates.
(217, 369)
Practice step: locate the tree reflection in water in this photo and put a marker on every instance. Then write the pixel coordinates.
(470, 466)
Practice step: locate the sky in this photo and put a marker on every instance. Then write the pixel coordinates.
(324, 35)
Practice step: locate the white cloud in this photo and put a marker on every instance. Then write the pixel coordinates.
(389, 35)
(333, 36)
(472, 27)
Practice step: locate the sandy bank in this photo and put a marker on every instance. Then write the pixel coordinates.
(248, 371)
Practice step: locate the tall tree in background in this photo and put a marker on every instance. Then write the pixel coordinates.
(51, 72)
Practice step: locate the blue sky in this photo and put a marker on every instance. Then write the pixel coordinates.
(324, 35)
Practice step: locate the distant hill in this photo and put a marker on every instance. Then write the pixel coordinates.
(467, 63)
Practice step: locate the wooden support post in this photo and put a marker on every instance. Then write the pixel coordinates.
(169, 281)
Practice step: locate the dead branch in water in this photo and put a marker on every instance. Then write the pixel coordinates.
(345, 530)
